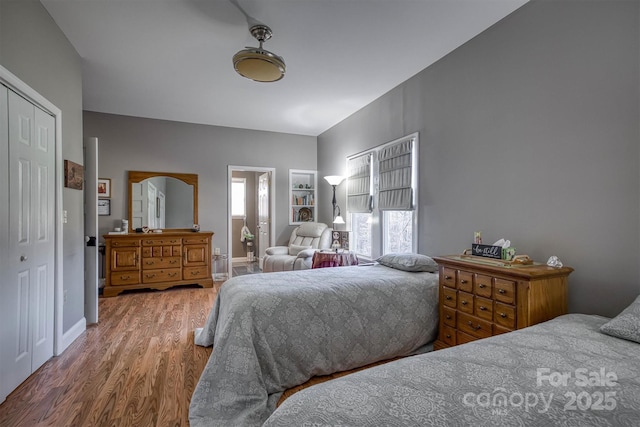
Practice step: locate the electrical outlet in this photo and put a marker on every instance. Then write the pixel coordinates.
(64, 221)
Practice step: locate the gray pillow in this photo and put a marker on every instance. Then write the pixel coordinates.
(625, 325)
(408, 262)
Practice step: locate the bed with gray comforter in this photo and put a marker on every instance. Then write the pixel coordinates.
(273, 331)
(564, 372)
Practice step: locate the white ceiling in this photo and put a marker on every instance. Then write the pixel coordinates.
(171, 59)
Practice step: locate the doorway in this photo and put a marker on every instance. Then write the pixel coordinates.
(251, 217)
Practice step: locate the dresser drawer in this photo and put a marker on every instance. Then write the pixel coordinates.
(448, 335)
(160, 242)
(194, 240)
(474, 326)
(448, 277)
(194, 273)
(504, 291)
(125, 278)
(483, 308)
(505, 315)
(161, 275)
(465, 281)
(151, 263)
(465, 302)
(449, 316)
(449, 297)
(482, 285)
(125, 243)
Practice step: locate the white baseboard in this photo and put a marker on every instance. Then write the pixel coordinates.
(71, 335)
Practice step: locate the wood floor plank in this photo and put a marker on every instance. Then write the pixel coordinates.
(137, 367)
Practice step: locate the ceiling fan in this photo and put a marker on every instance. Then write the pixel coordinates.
(257, 63)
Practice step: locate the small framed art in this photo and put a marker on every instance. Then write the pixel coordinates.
(104, 207)
(104, 188)
(73, 175)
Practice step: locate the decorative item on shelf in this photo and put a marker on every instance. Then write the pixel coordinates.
(501, 249)
(195, 227)
(554, 261)
(73, 175)
(104, 188)
(334, 181)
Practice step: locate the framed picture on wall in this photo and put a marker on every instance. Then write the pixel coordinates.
(104, 187)
(104, 207)
(73, 175)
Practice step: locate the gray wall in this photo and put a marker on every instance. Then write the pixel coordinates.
(529, 132)
(33, 48)
(131, 143)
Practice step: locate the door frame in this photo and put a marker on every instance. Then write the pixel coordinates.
(272, 207)
(60, 343)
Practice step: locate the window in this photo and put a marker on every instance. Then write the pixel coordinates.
(382, 188)
(238, 197)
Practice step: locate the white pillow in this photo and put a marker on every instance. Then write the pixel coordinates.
(295, 249)
(408, 262)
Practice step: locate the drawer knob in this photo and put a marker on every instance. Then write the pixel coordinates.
(470, 323)
(448, 335)
(501, 291)
(463, 302)
(483, 308)
(503, 314)
(447, 277)
(448, 317)
(481, 286)
(463, 281)
(125, 277)
(448, 297)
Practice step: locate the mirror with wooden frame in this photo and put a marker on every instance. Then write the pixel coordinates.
(163, 200)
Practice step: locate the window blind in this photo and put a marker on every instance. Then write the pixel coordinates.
(395, 174)
(359, 184)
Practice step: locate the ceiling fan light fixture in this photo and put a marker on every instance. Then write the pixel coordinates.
(256, 63)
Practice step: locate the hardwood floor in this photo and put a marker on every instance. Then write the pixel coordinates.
(137, 367)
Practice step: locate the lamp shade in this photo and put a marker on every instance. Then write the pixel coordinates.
(334, 179)
(259, 65)
(338, 220)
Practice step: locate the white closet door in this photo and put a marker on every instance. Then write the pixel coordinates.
(30, 269)
(5, 335)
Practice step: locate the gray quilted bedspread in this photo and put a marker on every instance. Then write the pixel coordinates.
(273, 331)
(560, 373)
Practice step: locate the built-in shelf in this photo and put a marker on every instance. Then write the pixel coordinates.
(303, 185)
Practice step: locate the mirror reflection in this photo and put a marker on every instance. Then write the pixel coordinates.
(162, 201)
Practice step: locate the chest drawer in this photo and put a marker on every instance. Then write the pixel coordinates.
(505, 315)
(171, 262)
(448, 277)
(474, 326)
(483, 308)
(162, 275)
(124, 278)
(190, 273)
(465, 302)
(465, 281)
(504, 291)
(449, 316)
(482, 285)
(449, 297)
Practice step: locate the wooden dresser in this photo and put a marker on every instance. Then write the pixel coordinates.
(157, 261)
(479, 299)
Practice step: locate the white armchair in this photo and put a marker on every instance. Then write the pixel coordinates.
(304, 241)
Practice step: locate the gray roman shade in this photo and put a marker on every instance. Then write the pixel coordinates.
(394, 170)
(359, 184)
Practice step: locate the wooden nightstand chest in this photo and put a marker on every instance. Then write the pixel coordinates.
(481, 298)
